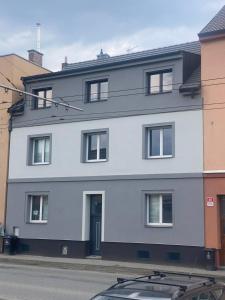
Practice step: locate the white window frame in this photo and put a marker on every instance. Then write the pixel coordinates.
(98, 134)
(85, 231)
(148, 196)
(43, 151)
(41, 208)
(160, 142)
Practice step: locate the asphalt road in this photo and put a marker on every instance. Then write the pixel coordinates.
(38, 283)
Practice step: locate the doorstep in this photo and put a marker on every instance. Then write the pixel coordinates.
(93, 257)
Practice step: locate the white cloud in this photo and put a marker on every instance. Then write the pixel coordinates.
(147, 38)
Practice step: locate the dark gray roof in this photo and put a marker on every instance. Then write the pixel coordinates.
(193, 47)
(195, 76)
(216, 25)
(68, 69)
(193, 81)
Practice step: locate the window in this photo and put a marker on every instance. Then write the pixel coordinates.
(39, 103)
(159, 209)
(40, 150)
(160, 82)
(159, 142)
(38, 208)
(96, 146)
(97, 90)
(203, 296)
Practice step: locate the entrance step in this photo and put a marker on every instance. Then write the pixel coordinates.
(93, 257)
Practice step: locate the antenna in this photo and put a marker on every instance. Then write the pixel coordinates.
(129, 50)
(38, 37)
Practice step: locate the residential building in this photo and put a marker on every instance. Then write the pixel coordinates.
(121, 179)
(12, 67)
(212, 39)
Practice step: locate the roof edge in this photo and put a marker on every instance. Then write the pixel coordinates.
(212, 34)
(27, 60)
(71, 71)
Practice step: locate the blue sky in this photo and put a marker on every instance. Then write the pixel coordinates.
(79, 28)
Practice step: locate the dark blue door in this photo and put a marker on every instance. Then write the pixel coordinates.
(95, 224)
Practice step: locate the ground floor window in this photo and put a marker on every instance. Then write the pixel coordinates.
(159, 209)
(38, 208)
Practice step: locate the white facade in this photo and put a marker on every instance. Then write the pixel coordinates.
(125, 148)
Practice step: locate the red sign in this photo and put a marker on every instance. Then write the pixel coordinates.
(210, 202)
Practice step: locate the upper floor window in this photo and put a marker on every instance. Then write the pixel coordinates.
(97, 90)
(160, 82)
(159, 140)
(38, 208)
(39, 150)
(39, 103)
(159, 209)
(95, 145)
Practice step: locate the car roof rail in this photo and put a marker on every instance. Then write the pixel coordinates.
(190, 275)
(182, 287)
(207, 280)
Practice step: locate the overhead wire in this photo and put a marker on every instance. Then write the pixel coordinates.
(192, 106)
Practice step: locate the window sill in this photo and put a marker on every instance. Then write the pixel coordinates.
(160, 93)
(159, 225)
(38, 222)
(96, 161)
(160, 157)
(96, 101)
(41, 108)
(40, 164)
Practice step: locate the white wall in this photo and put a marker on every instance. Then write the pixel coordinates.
(125, 148)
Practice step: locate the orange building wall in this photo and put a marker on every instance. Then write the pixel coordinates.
(12, 68)
(213, 93)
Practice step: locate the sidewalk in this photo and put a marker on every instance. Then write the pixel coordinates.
(102, 265)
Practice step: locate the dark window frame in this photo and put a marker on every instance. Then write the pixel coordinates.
(88, 90)
(160, 73)
(36, 99)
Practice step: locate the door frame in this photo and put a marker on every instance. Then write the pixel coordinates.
(85, 235)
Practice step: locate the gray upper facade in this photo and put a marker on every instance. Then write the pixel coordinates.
(128, 90)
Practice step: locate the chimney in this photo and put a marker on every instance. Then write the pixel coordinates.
(35, 57)
(102, 55)
(65, 63)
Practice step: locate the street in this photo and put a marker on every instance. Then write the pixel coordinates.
(38, 283)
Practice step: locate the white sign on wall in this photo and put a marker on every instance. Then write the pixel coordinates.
(210, 202)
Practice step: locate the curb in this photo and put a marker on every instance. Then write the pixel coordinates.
(76, 266)
(101, 268)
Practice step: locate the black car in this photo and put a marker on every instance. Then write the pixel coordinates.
(165, 286)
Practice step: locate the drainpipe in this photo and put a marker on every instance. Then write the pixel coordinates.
(7, 176)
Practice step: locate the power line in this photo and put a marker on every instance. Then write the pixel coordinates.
(39, 97)
(95, 116)
(138, 88)
(123, 95)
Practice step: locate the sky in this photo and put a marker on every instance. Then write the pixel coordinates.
(78, 29)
